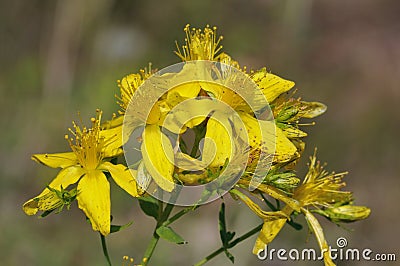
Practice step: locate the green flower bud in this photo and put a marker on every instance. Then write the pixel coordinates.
(345, 213)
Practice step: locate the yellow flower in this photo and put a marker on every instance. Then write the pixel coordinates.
(261, 135)
(318, 189)
(157, 150)
(273, 221)
(205, 45)
(86, 165)
(158, 154)
(129, 84)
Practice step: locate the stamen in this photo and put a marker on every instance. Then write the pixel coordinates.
(200, 44)
(129, 84)
(87, 143)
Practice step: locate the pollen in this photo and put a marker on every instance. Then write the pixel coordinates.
(129, 85)
(200, 44)
(86, 143)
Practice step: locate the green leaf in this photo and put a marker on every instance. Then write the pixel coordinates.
(149, 205)
(295, 225)
(225, 235)
(230, 256)
(117, 228)
(167, 233)
(45, 213)
(222, 224)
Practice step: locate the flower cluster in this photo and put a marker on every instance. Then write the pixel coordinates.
(196, 145)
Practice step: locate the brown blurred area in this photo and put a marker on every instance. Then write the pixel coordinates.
(61, 57)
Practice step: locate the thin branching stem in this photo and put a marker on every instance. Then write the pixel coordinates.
(231, 245)
(105, 251)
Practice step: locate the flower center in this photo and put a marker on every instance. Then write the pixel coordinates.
(129, 84)
(200, 45)
(87, 144)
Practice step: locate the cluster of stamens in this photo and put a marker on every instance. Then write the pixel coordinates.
(200, 45)
(321, 188)
(86, 143)
(129, 84)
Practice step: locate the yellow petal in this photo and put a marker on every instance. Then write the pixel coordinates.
(56, 160)
(112, 141)
(293, 132)
(94, 199)
(46, 202)
(189, 113)
(272, 140)
(256, 209)
(195, 121)
(184, 91)
(284, 149)
(182, 82)
(272, 86)
(319, 235)
(217, 144)
(124, 177)
(158, 156)
(115, 122)
(268, 232)
(65, 177)
(261, 134)
(227, 96)
(154, 115)
(277, 194)
(186, 162)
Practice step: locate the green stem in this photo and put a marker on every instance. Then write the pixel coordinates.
(154, 240)
(179, 215)
(105, 251)
(163, 214)
(150, 248)
(231, 245)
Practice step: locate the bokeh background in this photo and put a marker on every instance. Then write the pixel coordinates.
(61, 57)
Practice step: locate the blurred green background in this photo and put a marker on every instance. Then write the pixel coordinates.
(61, 57)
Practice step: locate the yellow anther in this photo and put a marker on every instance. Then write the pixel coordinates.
(200, 44)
